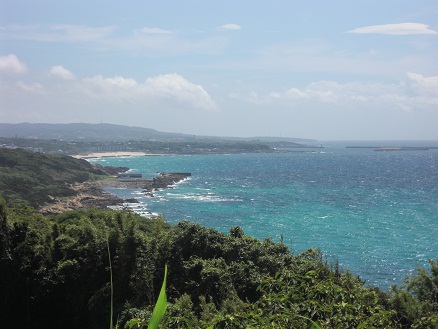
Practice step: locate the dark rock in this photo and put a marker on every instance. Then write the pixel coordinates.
(165, 180)
(114, 171)
(132, 201)
(149, 185)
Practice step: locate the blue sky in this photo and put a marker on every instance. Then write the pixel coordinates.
(327, 70)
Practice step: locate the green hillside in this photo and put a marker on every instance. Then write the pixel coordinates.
(33, 178)
(83, 131)
(105, 132)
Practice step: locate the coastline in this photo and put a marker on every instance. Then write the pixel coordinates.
(88, 195)
(111, 155)
(93, 194)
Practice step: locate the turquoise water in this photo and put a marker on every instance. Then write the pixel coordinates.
(376, 212)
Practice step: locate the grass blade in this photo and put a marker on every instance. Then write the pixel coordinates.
(111, 285)
(160, 306)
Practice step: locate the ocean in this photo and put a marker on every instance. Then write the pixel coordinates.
(376, 213)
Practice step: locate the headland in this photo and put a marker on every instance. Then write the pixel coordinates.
(111, 154)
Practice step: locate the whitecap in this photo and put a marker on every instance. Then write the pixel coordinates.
(209, 197)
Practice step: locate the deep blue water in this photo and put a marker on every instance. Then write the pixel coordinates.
(376, 212)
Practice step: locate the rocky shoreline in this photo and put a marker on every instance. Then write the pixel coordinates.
(88, 195)
(92, 194)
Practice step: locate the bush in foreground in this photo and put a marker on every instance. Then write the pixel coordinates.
(55, 274)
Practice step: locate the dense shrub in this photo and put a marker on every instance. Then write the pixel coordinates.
(55, 274)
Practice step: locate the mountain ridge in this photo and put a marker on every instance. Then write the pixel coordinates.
(107, 131)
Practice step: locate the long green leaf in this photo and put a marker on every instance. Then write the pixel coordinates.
(160, 306)
(111, 285)
(314, 324)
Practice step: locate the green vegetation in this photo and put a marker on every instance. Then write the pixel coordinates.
(105, 132)
(55, 274)
(89, 269)
(35, 178)
(86, 138)
(156, 147)
(157, 314)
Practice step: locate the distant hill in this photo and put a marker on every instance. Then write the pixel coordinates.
(112, 132)
(84, 131)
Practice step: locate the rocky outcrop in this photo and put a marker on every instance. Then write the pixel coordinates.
(93, 194)
(113, 171)
(162, 181)
(88, 195)
(165, 180)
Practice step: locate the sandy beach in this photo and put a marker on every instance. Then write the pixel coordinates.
(110, 154)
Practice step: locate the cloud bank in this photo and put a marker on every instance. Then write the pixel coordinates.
(417, 92)
(395, 29)
(171, 90)
(166, 87)
(147, 41)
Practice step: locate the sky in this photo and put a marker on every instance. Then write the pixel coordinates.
(325, 70)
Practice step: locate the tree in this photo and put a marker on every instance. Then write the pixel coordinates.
(4, 231)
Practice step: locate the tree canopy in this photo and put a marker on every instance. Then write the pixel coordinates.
(55, 274)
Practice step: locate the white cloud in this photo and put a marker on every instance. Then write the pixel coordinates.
(147, 41)
(112, 89)
(167, 102)
(316, 56)
(10, 63)
(154, 30)
(395, 29)
(167, 87)
(55, 33)
(61, 72)
(424, 85)
(229, 27)
(174, 85)
(418, 92)
(78, 33)
(424, 89)
(33, 88)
